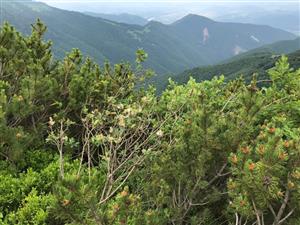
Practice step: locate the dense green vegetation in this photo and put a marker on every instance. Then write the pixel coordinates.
(256, 63)
(171, 48)
(80, 144)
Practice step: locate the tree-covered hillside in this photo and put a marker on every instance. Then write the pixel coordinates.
(80, 144)
(277, 48)
(190, 42)
(258, 62)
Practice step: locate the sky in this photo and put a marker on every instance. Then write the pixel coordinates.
(168, 11)
(162, 3)
(209, 2)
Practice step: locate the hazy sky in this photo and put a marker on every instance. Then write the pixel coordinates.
(171, 9)
(161, 3)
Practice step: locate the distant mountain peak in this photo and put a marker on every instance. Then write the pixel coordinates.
(193, 18)
(155, 23)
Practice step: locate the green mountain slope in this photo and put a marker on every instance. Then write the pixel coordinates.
(190, 42)
(257, 63)
(120, 18)
(280, 47)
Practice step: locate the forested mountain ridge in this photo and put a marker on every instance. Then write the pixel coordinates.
(256, 63)
(120, 18)
(286, 20)
(277, 48)
(190, 42)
